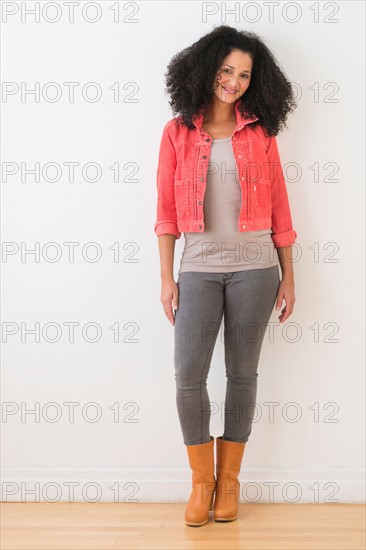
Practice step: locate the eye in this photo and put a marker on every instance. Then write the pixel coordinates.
(228, 71)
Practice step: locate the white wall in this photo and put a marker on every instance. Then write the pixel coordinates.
(135, 451)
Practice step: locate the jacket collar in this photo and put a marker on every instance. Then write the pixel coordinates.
(240, 120)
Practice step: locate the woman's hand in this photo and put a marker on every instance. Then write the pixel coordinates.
(286, 291)
(169, 297)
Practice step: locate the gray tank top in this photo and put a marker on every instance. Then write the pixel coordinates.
(221, 248)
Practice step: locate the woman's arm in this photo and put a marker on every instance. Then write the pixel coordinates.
(283, 233)
(166, 214)
(169, 288)
(286, 290)
(166, 251)
(285, 258)
(166, 227)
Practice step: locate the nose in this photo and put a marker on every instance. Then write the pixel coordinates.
(233, 82)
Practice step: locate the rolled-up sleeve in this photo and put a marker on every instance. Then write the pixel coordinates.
(166, 214)
(283, 233)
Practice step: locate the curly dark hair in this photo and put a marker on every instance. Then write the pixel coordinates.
(191, 73)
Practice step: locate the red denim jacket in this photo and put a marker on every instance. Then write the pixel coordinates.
(182, 174)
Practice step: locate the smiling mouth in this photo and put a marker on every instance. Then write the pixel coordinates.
(229, 91)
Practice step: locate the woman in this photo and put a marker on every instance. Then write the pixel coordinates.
(220, 181)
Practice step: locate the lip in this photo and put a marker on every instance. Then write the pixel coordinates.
(228, 91)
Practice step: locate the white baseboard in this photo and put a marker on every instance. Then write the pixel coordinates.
(174, 485)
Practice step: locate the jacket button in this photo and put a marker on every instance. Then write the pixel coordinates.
(200, 226)
(244, 226)
(199, 202)
(204, 157)
(208, 139)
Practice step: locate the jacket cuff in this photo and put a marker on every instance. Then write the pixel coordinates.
(167, 228)
(284, 239)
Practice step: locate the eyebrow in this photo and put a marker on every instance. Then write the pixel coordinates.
(234, 68)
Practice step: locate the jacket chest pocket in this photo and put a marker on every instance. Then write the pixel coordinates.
(257, 164)
(181, 193)
(262, 194)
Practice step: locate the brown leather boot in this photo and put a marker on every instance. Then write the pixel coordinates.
(201, 461)
(229, 455)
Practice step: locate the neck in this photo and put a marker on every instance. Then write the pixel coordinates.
(218, 112)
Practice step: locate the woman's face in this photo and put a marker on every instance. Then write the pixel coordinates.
(233, 77)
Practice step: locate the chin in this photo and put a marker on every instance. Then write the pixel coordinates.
(229, 99)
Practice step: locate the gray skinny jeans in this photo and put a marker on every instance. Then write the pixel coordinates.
(246, 299)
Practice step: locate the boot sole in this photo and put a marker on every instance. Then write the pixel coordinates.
(196, 524)
(226, 519)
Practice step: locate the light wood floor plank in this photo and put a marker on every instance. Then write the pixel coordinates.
(126, 526)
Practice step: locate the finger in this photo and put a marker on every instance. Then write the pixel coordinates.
(170, 317)
(286, 312)
(168, 312)
(283, 317)
(175, 301)
(289, 311)
(279, 301)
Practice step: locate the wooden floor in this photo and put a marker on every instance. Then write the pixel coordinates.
(104, 526)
